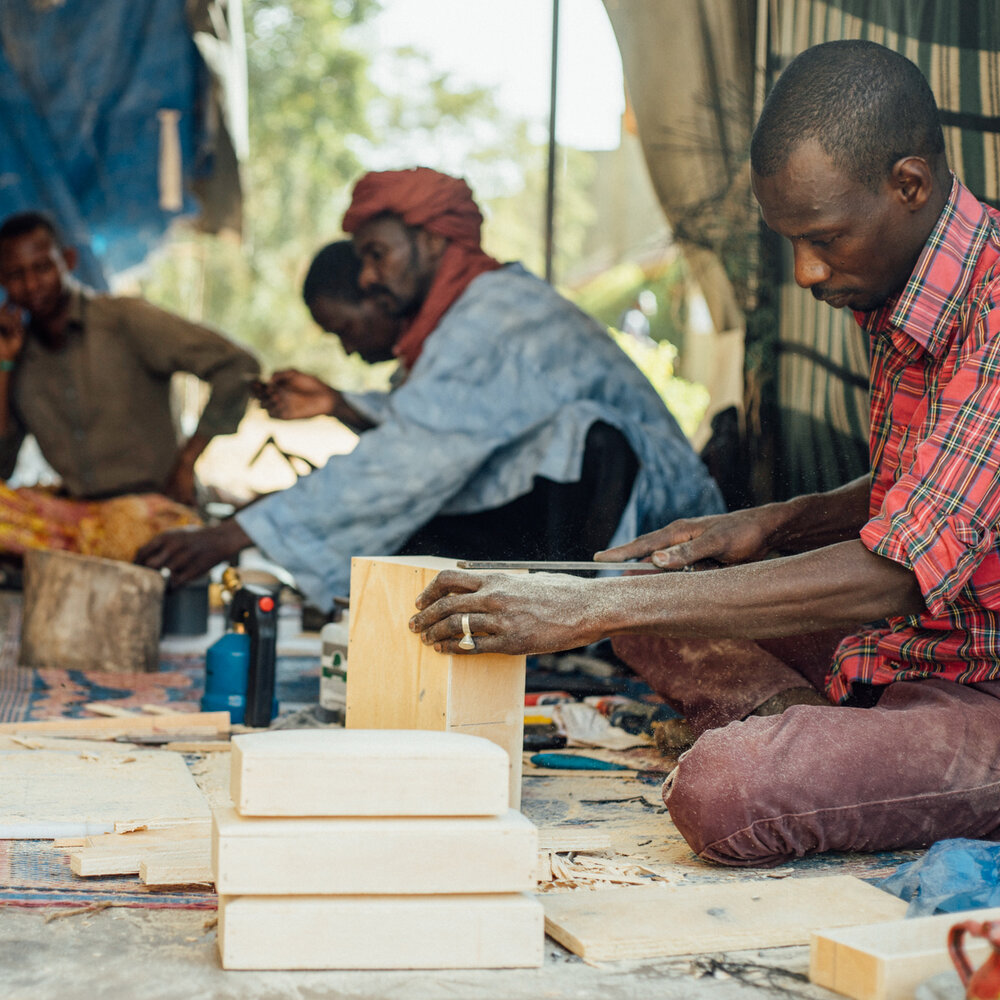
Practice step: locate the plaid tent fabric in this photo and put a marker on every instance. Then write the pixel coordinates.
(822, 370)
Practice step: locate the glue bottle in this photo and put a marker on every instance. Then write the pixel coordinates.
(333, 671)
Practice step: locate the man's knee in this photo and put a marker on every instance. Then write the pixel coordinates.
(721, 797)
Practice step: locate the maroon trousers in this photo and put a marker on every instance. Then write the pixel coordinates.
(921, 765)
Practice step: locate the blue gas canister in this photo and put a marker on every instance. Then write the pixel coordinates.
(227, 668)
(240, 666)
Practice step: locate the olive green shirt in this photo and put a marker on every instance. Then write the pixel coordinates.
(100, 406)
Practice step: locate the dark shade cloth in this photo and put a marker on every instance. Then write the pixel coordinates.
(443, 206)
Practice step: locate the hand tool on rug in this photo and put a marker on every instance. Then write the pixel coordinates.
(575, 762)
(240, 666)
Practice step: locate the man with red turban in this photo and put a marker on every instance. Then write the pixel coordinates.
(517, 428)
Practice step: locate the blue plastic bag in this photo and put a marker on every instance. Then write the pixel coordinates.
(953, 875)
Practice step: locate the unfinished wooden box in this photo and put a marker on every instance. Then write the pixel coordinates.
(414, 855)
(357, 772)
(394, 681)
(380, 932)
(888, 961)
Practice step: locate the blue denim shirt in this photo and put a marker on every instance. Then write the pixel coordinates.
(505, 390)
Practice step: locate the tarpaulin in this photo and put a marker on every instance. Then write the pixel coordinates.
(119, 116)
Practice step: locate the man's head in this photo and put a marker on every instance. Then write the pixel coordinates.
(848, 163)
(398, 263)
(403, 221)
(34, 265)
(334, 299)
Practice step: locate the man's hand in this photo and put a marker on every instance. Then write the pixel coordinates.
(740, 537)
(11, 332)
(190, 553)
(294, 395)
(508, 613)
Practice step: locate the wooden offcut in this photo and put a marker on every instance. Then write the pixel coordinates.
(414, 855)
(86, 613)
(180, 867)
(110, 728)
(124, 853)
(656, 921)
(887, 961)
(360, 772)
(380, 932)
(46, 794)
(395, 681)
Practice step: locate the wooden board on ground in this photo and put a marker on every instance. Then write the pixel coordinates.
(85, 613)
(123, 853)
(48, 793)
(380, 932)
(396, 682)
(367, 772)
(192, 723)
(405, 856)
(653, 921)
(887, 961)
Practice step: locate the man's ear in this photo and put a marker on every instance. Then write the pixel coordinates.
(913, 181)
(71, 257)
(434, 245)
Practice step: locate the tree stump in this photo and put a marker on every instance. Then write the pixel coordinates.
(85, 613)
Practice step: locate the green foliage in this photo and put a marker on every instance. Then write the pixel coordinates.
(608, 295)
(687, 401)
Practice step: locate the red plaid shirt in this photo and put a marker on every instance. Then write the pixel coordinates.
(935, 459)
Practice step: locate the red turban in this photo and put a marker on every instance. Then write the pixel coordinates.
(443, 206)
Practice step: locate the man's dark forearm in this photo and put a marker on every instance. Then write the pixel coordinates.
(838, 586)
(818, 519)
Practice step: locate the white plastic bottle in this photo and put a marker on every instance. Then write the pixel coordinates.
(333, 671)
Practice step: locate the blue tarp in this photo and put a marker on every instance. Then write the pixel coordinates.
(82, 83)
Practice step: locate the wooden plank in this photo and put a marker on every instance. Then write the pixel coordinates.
(364, 772)
(154, 833)
(112, 711)
(198, 746)
(405, 856)
(205, 723)
(394, 681)
(561, 839)
(887, 961)
(178, 867)
(656, 921)
(497, 931)
(48, 793)
(123, 854)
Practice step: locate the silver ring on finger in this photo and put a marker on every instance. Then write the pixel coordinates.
(466, 642)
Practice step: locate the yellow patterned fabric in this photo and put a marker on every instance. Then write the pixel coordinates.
(32, 518)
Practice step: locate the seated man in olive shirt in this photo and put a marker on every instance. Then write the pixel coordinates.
(88, 375)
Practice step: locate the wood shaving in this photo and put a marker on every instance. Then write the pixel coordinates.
(593, 870)
(77, 911)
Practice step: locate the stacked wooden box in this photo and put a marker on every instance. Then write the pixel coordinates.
(373, 849)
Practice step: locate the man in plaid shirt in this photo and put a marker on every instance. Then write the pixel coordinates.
(879, 612)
